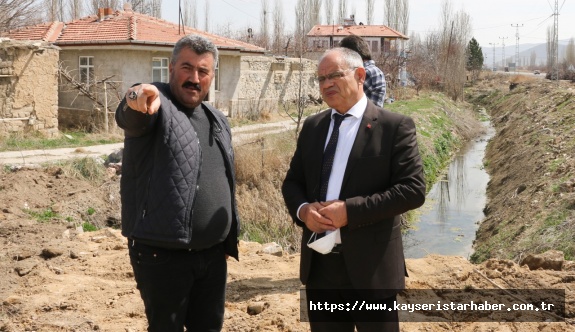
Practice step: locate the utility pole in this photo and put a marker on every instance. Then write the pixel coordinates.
(556, 41)
(493, 45)
(503, 51)
(517, 26)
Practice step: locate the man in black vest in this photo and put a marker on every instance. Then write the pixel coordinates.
(177, 188)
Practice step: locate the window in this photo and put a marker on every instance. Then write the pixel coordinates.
(160, 70)
(86, 69)
(374, 47)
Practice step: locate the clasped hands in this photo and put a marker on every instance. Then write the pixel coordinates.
(324, 216)
(143, 98)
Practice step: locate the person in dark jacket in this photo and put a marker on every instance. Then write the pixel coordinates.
(177, 190)
(355, 170)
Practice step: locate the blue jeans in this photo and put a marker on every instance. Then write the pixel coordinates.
(180, 287)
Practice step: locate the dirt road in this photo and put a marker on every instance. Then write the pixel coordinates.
(240, 134)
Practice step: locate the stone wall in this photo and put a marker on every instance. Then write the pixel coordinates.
(265, 82)
(28, 87)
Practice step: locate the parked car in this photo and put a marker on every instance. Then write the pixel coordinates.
(536, 72)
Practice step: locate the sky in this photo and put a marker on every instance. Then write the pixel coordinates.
(492, 21)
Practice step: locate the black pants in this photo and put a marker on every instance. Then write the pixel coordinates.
(329, 283)
(180, 287)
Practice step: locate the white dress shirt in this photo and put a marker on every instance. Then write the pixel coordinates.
(347, 133)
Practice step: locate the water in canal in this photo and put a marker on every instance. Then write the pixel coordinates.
(454, 205)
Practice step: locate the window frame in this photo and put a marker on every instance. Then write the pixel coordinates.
(162, 68)
(88, 67)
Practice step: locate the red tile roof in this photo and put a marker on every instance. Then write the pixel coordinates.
(45, 32)
(359, 30)
(121, 27)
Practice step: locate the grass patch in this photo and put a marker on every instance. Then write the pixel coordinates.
(84, 168)
(43, 216)
(36, 141)
(89, 227)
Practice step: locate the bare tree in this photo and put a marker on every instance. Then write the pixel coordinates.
(455, 31)
(300, 11)
(570, 53)
(190, 13)
(207, 16)
(75, 9)
(396, 15)
(314, 14)
(264, 24)
(300, 41)
(328, 6)
(55, 10)
(424, 55)
(369, 11)
(278, 22)
(533, 59)
(18, 13)
(341, 11)
(148, 7)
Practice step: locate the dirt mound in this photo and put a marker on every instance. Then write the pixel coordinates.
(55, 278)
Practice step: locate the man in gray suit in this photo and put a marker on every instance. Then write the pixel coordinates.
(355, 170)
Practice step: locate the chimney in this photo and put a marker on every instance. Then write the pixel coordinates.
(100, 14)
(127, 7)
(108, 12)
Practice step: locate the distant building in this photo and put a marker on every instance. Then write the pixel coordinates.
(382, 39)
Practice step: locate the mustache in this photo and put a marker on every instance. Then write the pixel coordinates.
(195, 86)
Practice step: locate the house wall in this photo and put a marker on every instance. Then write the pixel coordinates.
(28, 87)
(229, 71)
(247, 85)
(122, 68)
(266, 81)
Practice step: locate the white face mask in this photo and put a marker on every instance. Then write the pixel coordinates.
(324, 244)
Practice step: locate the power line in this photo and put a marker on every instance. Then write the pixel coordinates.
(257, 18)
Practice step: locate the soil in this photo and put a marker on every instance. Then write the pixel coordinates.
(55, 277)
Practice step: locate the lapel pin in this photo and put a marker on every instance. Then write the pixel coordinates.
(369, 126)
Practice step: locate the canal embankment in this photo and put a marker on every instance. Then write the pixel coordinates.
(531, 160)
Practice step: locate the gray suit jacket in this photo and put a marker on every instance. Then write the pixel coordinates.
(383, 179)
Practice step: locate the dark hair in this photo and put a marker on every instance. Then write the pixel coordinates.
(196, 43)
(357, 44)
